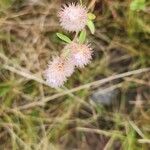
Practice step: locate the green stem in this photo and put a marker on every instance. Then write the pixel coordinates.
(81, 2)
(76, 36)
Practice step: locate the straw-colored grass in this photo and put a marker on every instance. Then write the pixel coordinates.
(34, 116)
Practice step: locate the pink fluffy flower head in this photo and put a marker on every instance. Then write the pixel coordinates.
(81, 54)
(58, 71)
(73, 17)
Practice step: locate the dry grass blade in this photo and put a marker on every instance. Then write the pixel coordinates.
(95, 83)
(102, 132)
(34, 116)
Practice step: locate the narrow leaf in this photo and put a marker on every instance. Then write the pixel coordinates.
(4, 4)
(137, 5)
(4, 90)
(91, 26)
(63, 37)
(82, 36)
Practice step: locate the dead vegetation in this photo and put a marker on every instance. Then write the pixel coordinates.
(35, 116)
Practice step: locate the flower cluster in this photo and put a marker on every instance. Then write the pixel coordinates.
(62, 67)
(81, 54)
(58, 71)
(73, 17)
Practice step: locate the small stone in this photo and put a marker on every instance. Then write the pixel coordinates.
(105, 97)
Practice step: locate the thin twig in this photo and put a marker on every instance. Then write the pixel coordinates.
(85, 86)
(30, 76)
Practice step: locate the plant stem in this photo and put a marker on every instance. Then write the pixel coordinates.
(75, 37)
(92, 3)
(81, 2)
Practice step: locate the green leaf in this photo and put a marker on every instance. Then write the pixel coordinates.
(82, 36)
(137, 5)
(91, 26)
(4, 90)
(64, 37)
(91, 16)
(4, 4)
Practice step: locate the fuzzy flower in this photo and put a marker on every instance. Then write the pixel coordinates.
(73, 17)
(81, 54)
(58, 71)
